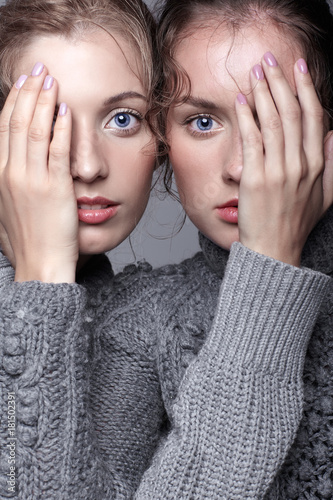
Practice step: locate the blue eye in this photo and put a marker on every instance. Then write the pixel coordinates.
(124, 121)
(204, 123)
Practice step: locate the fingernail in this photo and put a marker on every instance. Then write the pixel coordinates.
(20, 81)
(62, 109)
(302, 66)
(37, 69)
(270, 59)
(48, 82)
(258, 72)
(241, 99)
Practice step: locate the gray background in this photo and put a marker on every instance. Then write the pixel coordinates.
(158, 237)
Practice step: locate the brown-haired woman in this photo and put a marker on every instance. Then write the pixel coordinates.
(223, 165)
(93, 365)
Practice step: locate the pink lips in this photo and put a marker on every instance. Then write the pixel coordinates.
(96, 210)
(229, 211)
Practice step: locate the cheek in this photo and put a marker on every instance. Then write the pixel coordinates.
(125, 156)
(136, 177)
(189, 165)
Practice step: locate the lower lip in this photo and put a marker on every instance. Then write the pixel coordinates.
(229, 214)
(96, 216)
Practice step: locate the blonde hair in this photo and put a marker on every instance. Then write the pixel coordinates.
(22, 21)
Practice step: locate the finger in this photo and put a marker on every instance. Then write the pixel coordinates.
(22, 116)
(270, 122)
(253, 155)
(328, 172)
(312, 116)
(5, 116)
(5, 245)
(289, 112)
(39, 133)
(59, 152)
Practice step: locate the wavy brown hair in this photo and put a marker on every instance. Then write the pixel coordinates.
(308, 22)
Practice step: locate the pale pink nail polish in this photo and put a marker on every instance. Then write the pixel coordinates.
(302, 66)
(20, 81)
(270, 59)
(37, 69)
(62, 109)
(48, 82)
(241, 99)
(258, 72)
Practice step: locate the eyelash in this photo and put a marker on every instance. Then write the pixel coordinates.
(118, 131)
(198, 134)
(124, 131)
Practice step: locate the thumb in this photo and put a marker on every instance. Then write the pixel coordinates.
(328, 171)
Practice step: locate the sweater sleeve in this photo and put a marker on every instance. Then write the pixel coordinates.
(235, 416)
(240, 401)
(40, 335)
(56, 410)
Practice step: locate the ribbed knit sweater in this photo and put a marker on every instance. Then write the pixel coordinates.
(193, 372)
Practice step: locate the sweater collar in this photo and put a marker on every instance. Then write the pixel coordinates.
(97, 271)
(215, 256)
(317, 253)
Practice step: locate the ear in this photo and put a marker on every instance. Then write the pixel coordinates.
(328, 172)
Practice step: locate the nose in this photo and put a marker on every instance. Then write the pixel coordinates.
(233, 164)
(87, 160)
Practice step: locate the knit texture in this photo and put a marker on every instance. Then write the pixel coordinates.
(195, 378)
(307, 473)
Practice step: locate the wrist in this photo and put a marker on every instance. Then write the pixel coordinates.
(47, 273)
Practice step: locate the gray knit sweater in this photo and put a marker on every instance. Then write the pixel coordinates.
(195, 378)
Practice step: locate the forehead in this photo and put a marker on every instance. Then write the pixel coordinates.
(98, 61)
(213, 56)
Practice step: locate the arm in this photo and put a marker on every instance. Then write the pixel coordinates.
(43, 245)
(46, 360)
(240, 401)
(40, 332)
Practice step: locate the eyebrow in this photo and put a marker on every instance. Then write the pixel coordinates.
(122, 96)
(198, 102)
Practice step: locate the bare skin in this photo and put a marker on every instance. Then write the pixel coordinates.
(101, 147)
(248, 156)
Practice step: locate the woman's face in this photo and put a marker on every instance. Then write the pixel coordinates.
(112, 150)
(203, 133)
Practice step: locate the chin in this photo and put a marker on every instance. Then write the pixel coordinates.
(94, 240)
(225, 239)
(97, 245)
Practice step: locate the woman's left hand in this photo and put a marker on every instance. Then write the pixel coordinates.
(287, 178)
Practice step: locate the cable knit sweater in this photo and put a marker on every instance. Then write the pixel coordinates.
(195, 378)
(307, 473)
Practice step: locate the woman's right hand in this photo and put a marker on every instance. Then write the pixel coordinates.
(38, 208)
